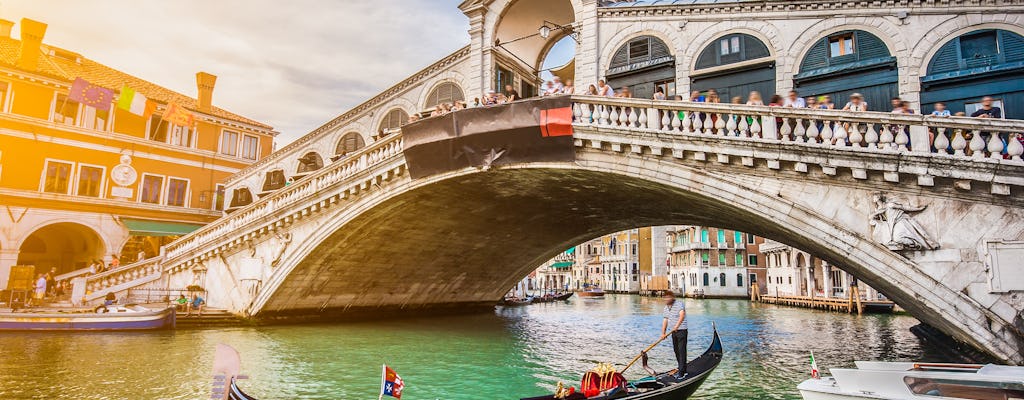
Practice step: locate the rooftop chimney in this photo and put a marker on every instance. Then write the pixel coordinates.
(205, 83)
(5, 28)
(32, 33)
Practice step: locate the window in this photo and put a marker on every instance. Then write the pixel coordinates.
(66, 111)
(704, 236)
(721, 279)
(241, 197)
(527, 90)
(750, 239)
(218, 198)
(251, 147)
(177, 192)
(394, 119)
(310, 162)
(790, 280)
(737, 238)
(444, 93)
(502, 78)
(971, 107)
(707, 279)
(152, 186)
(739, 260)
(274, 180)
(721, 258)
(730, 45)
(90, 181)
(753, 279)
(182, 136)
(157, 129)
(4, 90)
(840, 45)
(58, 177)
(962, 388)
(95, 119)
(704, 259)
(349, 143)
(752, 260)
(979, 45)
(229, 143)
(721, 236)
(739, 280)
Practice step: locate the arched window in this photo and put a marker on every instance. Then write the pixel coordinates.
(446, 92)
(274, 180)
(739, 280)
(974, 65)
(847, 62)
(640, 50)
(731, 49)
(707, 279)
(721, 279)
(310, 162)
(704, 235)
(241, 197)
(349, 143)
(394, 119)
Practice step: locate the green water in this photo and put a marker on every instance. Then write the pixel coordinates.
(507, 354)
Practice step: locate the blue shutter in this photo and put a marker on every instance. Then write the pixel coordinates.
(753, 48)
(947, 59)
(869, 46)
(1012, 46)
(707, 58)
(817, 57)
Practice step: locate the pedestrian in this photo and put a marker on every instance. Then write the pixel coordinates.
(659, 93)
(592, 90)
(713, 96)
(476, 102)
(511, 94)
(812, 102)
(550, 89)
(826, 103)
(896, 103)
(115, 261)
(182, 302)
(625, 93)
(675, 311)
(794, 100)
(940, 110)
(196, 304)
(51, 281)
(40, 289)
(737, 99)
(775, 101)
(988, 110)
(856, 103)
(754, 99)
(141, 256)
(696, 97)
(603, 89)
(568, 88)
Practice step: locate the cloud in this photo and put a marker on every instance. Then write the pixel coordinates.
(293, 65)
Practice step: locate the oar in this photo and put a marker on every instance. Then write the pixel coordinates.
(642, 353)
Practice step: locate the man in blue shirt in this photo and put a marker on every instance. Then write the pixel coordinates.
(675, 311)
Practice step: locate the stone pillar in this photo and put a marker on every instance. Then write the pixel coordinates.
(588, 66)
(919, 142)
(8, 259)
(827, 275)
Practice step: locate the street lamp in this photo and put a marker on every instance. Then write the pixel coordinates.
(545, 30)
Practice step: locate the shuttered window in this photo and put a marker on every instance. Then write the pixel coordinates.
(732, 49)
(310, 162)
(977, 49)
(638, 50)
(241, 197)
(444, 93)
(274, 180)
(349, 143)
(394, 119)
(844, 48)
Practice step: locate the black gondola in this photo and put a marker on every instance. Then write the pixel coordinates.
(661, 386)
(234, 393)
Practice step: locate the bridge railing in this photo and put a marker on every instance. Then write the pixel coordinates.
(291, 195)
(100, 282)
(960, 137)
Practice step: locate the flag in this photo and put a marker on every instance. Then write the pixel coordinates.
(814, 368)
(91, 95)
(390, 383)
(178, 115)
(135, 103)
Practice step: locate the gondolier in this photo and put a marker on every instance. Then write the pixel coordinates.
(675, 313)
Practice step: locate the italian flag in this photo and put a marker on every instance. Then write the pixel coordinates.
(135, 103)
(814, 368)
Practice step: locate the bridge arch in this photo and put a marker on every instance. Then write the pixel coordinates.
(452, 219)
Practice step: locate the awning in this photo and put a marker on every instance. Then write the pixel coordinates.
(141, 227)
(563, 264)
(571, 250)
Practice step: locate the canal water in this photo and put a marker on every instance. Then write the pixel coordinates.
(507, 354)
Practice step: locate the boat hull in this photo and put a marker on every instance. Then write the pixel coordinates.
(157, 319)
(591, 294)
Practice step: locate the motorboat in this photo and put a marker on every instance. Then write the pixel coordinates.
(106, 317)
(592, 291)
(908, 380)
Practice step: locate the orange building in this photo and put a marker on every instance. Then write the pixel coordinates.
(79, 183)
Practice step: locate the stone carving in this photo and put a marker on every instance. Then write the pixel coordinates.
(904, 232)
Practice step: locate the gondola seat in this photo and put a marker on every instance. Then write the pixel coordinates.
(594, 384)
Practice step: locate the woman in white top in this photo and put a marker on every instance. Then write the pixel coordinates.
(856, 103)
(568, 88)
(604, 89)
(754, 99)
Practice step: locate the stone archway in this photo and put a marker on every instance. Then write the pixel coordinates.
(66, 246)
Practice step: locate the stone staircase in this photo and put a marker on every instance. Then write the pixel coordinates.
(210, 318)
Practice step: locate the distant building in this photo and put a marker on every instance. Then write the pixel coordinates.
(708, 262)
(557, 273)
(88, 182)
(793, 272)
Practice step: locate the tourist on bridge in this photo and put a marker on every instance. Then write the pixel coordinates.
(51, 281)
(511, 94)
(856, 103)
(196, 304)
(675, 310)
(794, 100)
(568, 88)
(603, 89)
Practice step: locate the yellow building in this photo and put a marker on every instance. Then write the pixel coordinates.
(78, 183)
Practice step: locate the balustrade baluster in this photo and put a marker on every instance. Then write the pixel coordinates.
(941, 143)
(730, 126)
(577, 112)
(697, 122)
(886, 139)
(826, 133)
(679, 123)
(813, 132)
(902, 139)
(638, 116)
(623, 116)
(755, 128)
(720, 125)
(995, 146)
(800, 133)
(709, 124)
(840, 134)
(744, 127)
(1014, 149)
(605, 115)
(613, 117)
(785, 130)
(871, 137)
(666, 121)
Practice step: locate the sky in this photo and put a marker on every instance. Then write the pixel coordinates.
(293, 65)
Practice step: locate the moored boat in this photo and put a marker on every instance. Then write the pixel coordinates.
(911, 381)
(226, 367)
(102, 318)
(592, 292)
(516, 301)
(663, 386)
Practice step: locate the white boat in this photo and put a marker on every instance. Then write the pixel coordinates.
(908, 380)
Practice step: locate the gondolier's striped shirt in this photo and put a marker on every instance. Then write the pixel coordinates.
(672, 313)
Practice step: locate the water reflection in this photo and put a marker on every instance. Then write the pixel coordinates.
(507, 354)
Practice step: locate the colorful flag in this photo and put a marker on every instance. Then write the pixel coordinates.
(91, 95)
(814, 368)
(135, 103)
(390, 383)
(178, 115)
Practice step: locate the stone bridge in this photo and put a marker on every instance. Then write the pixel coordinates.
(361, 236)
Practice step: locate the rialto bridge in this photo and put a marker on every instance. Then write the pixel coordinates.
(925, 209)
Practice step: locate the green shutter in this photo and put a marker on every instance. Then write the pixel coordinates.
(817, 57)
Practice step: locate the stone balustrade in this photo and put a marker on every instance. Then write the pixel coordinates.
(289, 197)
(96, 286)
(987, 140)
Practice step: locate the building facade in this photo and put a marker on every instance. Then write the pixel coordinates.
(708, 262)
(793, 272)
(89, 182)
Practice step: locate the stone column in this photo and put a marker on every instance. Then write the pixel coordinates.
(588, 52)
(8, 259)
(827, 275)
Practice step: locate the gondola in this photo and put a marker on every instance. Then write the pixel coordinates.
(226, 367)
(234, 393)
(515, 302)
(661, 386)
(563, 296)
